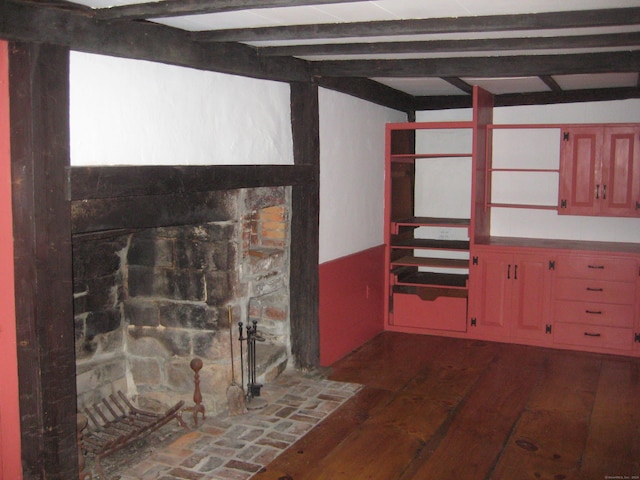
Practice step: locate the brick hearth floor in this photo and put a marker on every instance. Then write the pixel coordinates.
(235, 448)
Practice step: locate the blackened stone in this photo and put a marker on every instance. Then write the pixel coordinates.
(218, 291)
(192, 254)
(202, 343)
(150, 251)
(141, 313)
(257, 198)
(101, 292)
(185, 285)
(141, 281)
(98, 257)
(188, 316)
(102, 322)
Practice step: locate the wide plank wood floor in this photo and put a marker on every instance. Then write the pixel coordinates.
(441, 408)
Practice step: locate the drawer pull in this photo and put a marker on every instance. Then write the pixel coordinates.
(590, 289)
(587, 334)
(598, 267)
(593, 312)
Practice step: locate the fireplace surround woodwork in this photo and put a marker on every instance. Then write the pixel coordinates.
(44, 186)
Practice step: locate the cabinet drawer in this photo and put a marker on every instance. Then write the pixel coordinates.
(595, 291)
(593, 336)
(597, 268)
(605, 314)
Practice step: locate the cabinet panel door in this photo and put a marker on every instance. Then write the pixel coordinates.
(531, 296)
(492, 293)
(580, 170)
(620, 184)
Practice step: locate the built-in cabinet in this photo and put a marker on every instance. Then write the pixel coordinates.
(600, 170)
(510, 293)
(448, 275)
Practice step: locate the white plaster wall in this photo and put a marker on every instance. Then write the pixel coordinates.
(133, 112)
(351, 173)
(516, 222)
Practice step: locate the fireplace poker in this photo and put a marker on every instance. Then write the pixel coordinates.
(235, 393)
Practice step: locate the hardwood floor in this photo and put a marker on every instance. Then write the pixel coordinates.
(440, 408)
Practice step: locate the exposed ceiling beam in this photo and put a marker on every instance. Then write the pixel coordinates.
(176, 8)
(536, 98)
(631, 39)
(460, 84)
(486, 67)
(551, 83)
(496, 23)
(371, 91)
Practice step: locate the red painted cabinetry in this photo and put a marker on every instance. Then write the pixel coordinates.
(510, 294)
(600, 171)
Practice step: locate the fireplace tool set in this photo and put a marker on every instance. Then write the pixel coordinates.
(253, 388)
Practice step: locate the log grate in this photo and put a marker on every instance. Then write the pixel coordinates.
(115, 423)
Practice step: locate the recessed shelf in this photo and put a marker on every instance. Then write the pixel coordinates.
(449, 280)
(431, 244)
(410, 260)
(433, 221)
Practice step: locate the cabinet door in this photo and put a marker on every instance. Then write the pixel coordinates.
(580, 171)
(620, 181)
(490, 294)
(531, 295)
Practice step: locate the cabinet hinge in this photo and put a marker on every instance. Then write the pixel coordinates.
(637, 338)
(547, 328)
(552, 264)
(565, 137)
(563, 204)
(637, 205)
(473, 321)
(474, 260)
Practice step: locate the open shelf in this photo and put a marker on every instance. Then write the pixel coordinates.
(433, 222)
(450, 280)
(412, 261)
(431, 244)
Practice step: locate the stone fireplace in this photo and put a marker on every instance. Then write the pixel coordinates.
(149, 300)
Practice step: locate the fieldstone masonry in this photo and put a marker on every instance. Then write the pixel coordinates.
(148, 302)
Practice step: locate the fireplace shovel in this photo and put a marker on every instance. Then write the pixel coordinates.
(235, 393)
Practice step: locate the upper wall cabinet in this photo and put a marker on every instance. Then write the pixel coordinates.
(600, 171)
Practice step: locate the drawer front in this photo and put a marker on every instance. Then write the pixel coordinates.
(585, 313)
(595, 291)
(597, 268)
(593, 336)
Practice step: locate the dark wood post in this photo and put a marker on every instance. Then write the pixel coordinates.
(304, 281)
(39, 96)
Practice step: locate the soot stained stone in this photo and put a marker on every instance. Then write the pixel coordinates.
(141, 313)
(102, 322)
(188, 316)
(150, 251)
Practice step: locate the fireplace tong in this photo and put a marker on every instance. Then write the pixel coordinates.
(253, 388)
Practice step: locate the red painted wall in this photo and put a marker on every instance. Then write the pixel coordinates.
(351, 302)
(10, 463)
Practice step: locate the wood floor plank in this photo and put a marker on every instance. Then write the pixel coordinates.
(613, 447)
(302, 456)
(549, 439)
(476, 436)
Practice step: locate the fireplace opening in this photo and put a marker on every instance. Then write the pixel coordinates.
(149, 300)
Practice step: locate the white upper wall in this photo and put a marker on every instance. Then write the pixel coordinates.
(351, 173)
(532, 223)
(133, 112)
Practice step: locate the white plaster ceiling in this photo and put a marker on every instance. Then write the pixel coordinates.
(382, 10)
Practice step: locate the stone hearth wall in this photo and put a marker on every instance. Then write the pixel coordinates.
(148, 302)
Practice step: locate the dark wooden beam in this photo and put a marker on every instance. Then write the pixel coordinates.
(460, 84)
(536, 98)
(39, 99)
(110, 182)
(496, 23)
(139, 40)
(370, 91)
(566, 96)
(447, 46)
(175, 8)
(551, 83)
(487, 67)
(305, 229)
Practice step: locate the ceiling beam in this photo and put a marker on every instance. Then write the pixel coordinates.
(631, 39)
(176, 8)
(370, 91)
(26, 21)
(496, 23)
(460, 84)
(486, 67)
(551, 83)
(536, 98)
